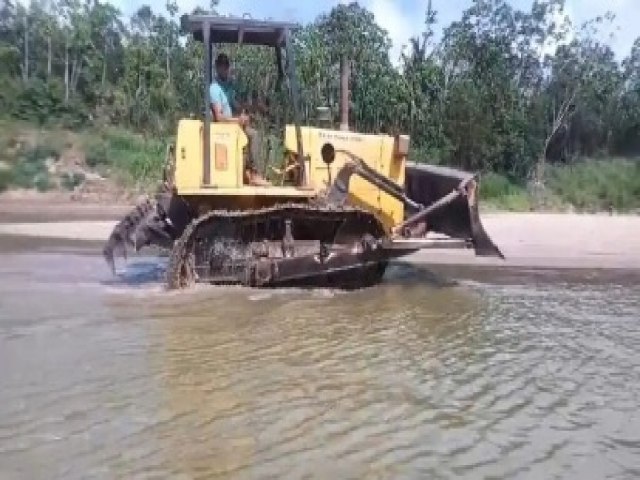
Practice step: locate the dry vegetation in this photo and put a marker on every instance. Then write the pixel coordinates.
(93, 165)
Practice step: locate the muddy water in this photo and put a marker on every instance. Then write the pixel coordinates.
(498, 376)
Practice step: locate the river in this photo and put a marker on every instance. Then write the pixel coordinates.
(490, 375)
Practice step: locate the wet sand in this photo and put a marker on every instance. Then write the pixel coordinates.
(52, 210)
(537, 240)
(553, 241)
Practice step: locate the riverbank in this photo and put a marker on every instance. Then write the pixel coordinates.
(111, 164)
(544, 240)
(536, 240)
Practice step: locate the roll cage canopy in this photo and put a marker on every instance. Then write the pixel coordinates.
(214, 29)
(240, 30)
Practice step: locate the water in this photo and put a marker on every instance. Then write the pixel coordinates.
(498, 376)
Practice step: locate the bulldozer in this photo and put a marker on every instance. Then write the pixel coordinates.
(346, 205)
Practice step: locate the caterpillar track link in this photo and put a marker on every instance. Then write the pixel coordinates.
(284, 245)
(145, 224)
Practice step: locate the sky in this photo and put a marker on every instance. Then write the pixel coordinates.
(405, 18)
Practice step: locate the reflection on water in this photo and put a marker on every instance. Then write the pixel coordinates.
(411, 379)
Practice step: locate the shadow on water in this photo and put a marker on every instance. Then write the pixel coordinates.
(138, 273)
(149, 271)
(401, 273)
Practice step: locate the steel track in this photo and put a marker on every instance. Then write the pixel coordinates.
(342, 230)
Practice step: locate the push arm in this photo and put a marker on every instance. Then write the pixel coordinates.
(455, 213)
(339, 188)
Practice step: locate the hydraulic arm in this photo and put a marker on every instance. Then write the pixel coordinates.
(419, 216)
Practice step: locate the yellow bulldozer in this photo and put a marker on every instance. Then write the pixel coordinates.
(346, 205)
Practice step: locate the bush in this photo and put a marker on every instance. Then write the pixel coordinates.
(24, 173)
(598, 185)
(96, 154)
(5, 179)
(42, 182)
(494, 185)
(71, 180)
(136, 161)
(9, 89)
(29, 169)
(40, 153)
(121, 140)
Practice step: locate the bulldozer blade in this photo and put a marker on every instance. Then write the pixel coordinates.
(459, 216)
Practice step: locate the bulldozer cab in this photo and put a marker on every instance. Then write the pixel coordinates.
(213, 30)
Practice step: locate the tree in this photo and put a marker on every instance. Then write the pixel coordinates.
(505, 90)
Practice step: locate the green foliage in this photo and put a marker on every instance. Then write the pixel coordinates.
(500, 192)
(42, 182)
(494, 185)
(5, 179)
(29, 169)
(483, 98)
(96, 153)
(589, 185)
(72, 180)
(135, 160)
(598, 184)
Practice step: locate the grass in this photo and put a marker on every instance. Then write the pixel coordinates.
(133, 160)
(584, 186)
(597, 185)
(28, 169)
(497, 192)
(24, 153)
(70, 181)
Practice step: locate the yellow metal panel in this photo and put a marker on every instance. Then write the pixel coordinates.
(227, 142)
(188, 171)
(291, 142)
(361, 192)
(376, 150)
(254, 191)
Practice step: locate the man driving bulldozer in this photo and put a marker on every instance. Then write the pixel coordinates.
(223, 105)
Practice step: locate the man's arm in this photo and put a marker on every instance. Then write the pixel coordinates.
(219, 117)
(216, 109)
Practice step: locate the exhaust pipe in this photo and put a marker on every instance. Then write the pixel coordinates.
(345, 73)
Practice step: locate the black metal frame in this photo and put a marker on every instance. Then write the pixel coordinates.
(212, 29)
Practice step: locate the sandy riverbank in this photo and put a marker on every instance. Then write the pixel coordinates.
(553, 241)
(526, 239)
(54, 209)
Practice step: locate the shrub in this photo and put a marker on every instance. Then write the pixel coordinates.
(42, 182)
(598, 184)
(5, 179)
(71, 180)
(494, 185)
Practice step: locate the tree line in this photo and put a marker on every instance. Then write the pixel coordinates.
(503, 89)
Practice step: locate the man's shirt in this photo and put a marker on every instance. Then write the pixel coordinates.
(222, 93)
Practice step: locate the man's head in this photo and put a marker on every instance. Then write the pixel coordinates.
(222, 67)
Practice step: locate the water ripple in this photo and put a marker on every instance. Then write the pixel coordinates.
(404, 380)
